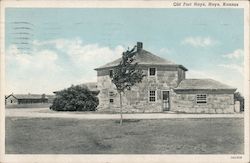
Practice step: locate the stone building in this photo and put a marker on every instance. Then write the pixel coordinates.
(164, 88)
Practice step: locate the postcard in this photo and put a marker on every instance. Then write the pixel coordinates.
(124, 81)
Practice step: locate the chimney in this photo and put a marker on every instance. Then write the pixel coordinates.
(139, 46)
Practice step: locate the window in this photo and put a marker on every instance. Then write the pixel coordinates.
(201, 99)
(111, 93)
(111, 73)
(111, 100)
(152, 71)
(152, 96)
(111, 96)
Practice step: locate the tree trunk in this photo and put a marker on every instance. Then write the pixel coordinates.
(120, 94)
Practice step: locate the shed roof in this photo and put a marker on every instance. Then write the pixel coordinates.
(143, 57)
(27, 96)
(203, 84)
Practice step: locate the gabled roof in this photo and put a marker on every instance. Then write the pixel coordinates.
(10, 96)
(26, 96)
(203, 84)
(144, 57)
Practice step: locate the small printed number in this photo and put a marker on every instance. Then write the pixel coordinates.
(236, 157)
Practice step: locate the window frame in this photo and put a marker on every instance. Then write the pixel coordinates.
(201, 100)
(111, 70)
(155, 72)
(111, 100)
(111, 94)
(149, 96)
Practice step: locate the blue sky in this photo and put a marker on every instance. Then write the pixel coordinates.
(50, 49)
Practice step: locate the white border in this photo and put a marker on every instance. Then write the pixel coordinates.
(113, 4)
(121, 158)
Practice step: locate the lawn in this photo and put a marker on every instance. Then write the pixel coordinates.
(34, 105)
(168, 136)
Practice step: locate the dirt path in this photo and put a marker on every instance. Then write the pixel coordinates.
(46, 113)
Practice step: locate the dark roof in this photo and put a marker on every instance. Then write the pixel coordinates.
(202, 84)
(144, 57)
(27, 96)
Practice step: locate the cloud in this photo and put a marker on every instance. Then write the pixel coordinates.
(199, 41)
(92, 55)
(55, 64)
(37, 60)
(234, 67)
(32, 72)
(237, 83)
(238, 53)
(202, 74)
(165, 50)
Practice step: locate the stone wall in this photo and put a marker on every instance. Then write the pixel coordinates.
(181, 75)
(167, 78)
(137, 100)
(216, 103)
(237, 106)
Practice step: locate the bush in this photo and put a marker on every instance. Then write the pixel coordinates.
(240, 98)
(75, 98)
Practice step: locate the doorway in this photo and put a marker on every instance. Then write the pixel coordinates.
(165, 101)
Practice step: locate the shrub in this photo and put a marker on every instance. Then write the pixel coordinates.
(75, 98)
(240, 98)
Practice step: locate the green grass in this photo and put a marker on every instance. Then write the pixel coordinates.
(169, 136)
(34, 105)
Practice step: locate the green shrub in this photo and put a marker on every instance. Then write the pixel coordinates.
(75, 98)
